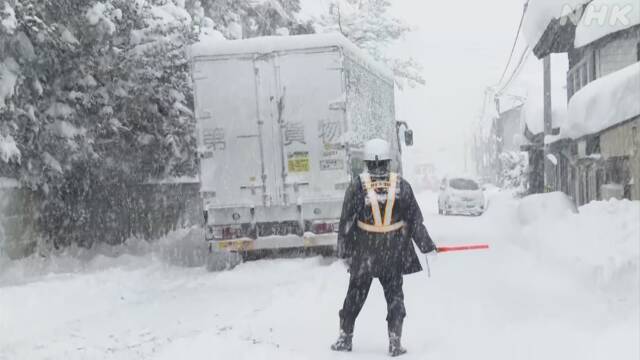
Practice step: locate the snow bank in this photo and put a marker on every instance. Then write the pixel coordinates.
(605, 17)
(268, 44)
(551, 207)
(600, 242)
(183, 248)
(605, 102)
(541, 12)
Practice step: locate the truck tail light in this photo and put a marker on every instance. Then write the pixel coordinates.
(323, 227)
(227, 232)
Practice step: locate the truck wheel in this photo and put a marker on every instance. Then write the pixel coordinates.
(222, 261)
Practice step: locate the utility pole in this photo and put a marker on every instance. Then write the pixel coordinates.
(547, 168)
(548, 120)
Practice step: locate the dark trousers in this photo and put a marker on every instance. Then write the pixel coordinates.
(359, 286)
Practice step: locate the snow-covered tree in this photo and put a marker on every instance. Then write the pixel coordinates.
(239, 19)
(98, 95)
(369, 25)
(513, 166)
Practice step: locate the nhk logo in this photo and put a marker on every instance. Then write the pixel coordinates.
(600, 14)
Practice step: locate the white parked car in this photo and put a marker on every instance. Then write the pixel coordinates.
(462, 196)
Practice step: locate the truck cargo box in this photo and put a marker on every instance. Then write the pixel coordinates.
(281, 123)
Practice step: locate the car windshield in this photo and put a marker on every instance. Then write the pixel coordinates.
(463, 184)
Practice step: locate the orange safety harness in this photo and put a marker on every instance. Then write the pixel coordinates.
(380, 225)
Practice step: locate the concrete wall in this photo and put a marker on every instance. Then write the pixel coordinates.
(17, 237)
(150, 211)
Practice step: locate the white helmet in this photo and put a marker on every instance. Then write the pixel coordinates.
(377, 150)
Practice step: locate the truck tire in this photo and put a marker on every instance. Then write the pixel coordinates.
(223, 261)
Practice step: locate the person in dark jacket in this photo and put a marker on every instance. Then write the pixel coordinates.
(380, 221)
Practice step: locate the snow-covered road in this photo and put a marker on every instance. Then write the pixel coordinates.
(506, 303)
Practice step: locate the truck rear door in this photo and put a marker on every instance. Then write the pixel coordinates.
(232, 168)
(311, 91)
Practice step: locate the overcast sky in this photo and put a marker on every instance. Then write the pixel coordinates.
(463, 46)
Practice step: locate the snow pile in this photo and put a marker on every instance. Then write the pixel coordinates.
(605, 17)
(552, 206)
(540, 13)
(9, 149)
(605, 102)
(183, 248)
(9, 70)
(268, 44)
(601, 242)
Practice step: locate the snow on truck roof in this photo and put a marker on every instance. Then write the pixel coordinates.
(270, 44)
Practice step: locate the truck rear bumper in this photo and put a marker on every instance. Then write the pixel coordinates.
(309, 240)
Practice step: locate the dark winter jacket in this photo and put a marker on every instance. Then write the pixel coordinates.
(378, 254)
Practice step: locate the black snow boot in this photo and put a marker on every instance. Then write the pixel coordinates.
(344, 342)
(395, 334)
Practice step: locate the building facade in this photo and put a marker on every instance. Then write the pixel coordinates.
(597, 155)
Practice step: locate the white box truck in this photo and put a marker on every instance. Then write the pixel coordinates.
(281, 123)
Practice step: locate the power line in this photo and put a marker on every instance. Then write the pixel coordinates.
(516, 72)
(515, 42)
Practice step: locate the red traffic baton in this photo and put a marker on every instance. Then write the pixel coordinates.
(444, 249)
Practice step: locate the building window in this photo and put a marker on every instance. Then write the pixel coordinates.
(582, 73)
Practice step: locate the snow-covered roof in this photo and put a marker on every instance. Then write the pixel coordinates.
(541, 12)
(605, 17)
(605, 102)
(268, 44)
